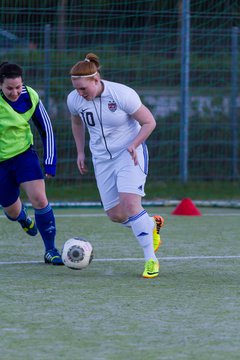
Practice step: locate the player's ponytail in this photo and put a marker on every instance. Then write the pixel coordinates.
(93, 58)
(88, 67)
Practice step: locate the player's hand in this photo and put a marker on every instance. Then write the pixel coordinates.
(132, 151)
(82, 167)
(48, 176)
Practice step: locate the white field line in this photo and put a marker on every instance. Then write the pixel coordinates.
(98, 215)
(168, 258)
(104, 215)
(69, 215)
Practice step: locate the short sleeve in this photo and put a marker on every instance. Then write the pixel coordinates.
(129, 99)
(71, 103)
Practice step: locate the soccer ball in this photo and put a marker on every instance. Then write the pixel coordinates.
(77, 253)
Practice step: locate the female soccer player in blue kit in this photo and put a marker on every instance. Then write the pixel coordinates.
(118, 124)
(19, 163)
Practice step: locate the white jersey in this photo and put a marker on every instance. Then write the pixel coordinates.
(108, 118)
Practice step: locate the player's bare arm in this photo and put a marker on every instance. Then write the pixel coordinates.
(78, 130)
(145, 118)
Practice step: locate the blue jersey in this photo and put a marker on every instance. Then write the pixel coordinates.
(42, 122)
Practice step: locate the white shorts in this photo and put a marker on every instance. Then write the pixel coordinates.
(120, 175)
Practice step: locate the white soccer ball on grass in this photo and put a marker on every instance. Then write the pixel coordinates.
(77, 253)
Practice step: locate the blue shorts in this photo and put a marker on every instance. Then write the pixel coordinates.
(19, 169)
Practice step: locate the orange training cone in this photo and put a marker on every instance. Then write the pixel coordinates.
(186, 207)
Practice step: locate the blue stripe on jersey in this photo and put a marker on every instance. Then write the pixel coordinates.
(24, 90)
(49, 134)
(145, 156)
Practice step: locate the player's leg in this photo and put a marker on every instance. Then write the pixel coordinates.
(9, 198)
(137, 174)
(111, 178)
(130, 194)
(45, 219)
(18, 212)
(117, 214)
(29, 175)
(142, 228)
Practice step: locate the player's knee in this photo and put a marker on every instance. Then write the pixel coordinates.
(116, 217)
(39, 202)
(130, 208)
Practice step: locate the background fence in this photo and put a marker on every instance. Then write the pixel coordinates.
(141, 44)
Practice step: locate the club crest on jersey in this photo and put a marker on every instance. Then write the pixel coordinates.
(112, 106)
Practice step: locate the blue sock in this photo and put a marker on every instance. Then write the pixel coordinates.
(21, 217)
(45, 221)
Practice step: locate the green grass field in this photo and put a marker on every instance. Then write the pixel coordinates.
(108, 311)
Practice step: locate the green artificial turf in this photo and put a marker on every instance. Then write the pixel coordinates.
(108, 311)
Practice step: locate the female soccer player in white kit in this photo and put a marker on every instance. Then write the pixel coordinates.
(118, 124)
